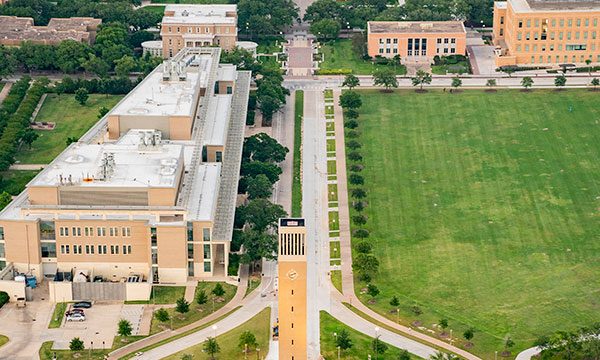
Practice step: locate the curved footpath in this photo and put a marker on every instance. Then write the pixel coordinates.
(349, 295)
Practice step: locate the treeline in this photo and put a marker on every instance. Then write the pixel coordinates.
(583, 344)
(17, 130)
(13, 100)
(112, 86)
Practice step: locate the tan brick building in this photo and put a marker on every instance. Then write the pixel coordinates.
(15, 30)
(149, 193)
(546, 33)
(198, 25)
(415, 41)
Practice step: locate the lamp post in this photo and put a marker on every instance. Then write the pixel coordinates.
(376, 343)
(214, 327)
(339, 352)
(257, 353)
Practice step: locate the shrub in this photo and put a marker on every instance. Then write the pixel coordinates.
(76, 344)
(372, 290)
(351, 134)
(182, 306)
(359, 219)
(351, 124)
(356, 167)
(218, 290)
(353, 144)
(201, 297)
(358, 205)
(363, 247)
(162, 315)
(3, 298)
(363, 276)
(250, 117)
(356, 179)
(124, 328)
(358, 193)
(361, 233)
(394, 301)
(351, 113)
(355, 156)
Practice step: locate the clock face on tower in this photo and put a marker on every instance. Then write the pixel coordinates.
(292, 274)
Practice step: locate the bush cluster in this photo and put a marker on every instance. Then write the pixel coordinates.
(3, 298)
(334, 71)
(112, 86)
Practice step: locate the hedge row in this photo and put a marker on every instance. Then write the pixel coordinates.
(18, 123)
(334, 71)
(13, 100)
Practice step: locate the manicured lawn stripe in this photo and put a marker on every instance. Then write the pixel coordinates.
(297, 181)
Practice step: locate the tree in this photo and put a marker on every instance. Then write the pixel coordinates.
(247, 340)
(125, 65)
(324, 9)
(508, 342)
(359, 219)
(356, 179)
(258, 245)
(560, 81)
(81, 95)
(262, 215)
(71, 139)
(588, 62)
(261, 17)
(201, 297)
(211, 347)
(595, 82)
(242, 59)
(372, 290)
(404, 355)
(526, 82)
(456, 82)
(394, 301)
(253, 168)
(125, 328)
(353, 144)
(29, 136)
(182, 306)
(491, 83)
(325, 29)
(350, 100)
(95, 65)
(358, 205)
(7, 62)
(363, 247)
(379, 347)
(76, 344)
(262, 147)
(162, 315)
(259, 186)
(443, 324)
(468, 334)
(351, 124)
(508, 70)
(343, 340)
(360, 233)
(351, 113)
(5, 199)
(102, 111)
(386, 78)
(355, 156)
(70, 54)
(350, 81)
(218, 290)
(365, 263)
(187, 357)
(268, 106)
(358, 193)
(421, 78)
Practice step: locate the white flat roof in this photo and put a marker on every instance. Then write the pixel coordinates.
(200, 14)
(217, 120)
(203, 199)
(157, 97)
(153, 167)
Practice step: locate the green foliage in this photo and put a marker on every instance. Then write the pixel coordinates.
(82, 96)
(356, 179)
(124, 328)
(421, 78)
(262, 147)
(4, 298)
(527, 82)
(469, 333)
(560, 81)
(359, 219)
(102, 111)
(211, 347)
(372, 290)
(361, 234)
(443, 323)
(5, 199)
(182, 306)
(325, 29)
(7, 62)
(259, 18)
(76, 344)
(259, 186)
(258, 245)
(350, 100)
(379, 347)
(456, 82)
(343, 340)
(358, 193)
(162, 315)
(394, 301)
(386, 78)
(365, 263)
(201, 297)
(218, 290)
(261, 215)
(125, 65)
(595, 82)
(491, 83)
(350, 81)
(247, 339)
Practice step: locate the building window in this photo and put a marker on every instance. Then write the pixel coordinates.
(537, 22)
(126, 231)
(562, 22)
(102, 249)
(190, 251)
(501, 19)
(126, 249)
(63, 231)
(395, 41)
(1, 233)
(65, 249)
(77, 249)
(519, 36)
(207, 266)
(206, 234)
(153, 237)
(501, 32)
(206, 30)
(47, 230)
(528, 22)
(190, 268)
(578, 47)
(113, 231)
(114, 249)
(553, 22)
(101, 231)
(48, 250)
(520, 23)
(578, 22)
(206, 250)
(570, 23)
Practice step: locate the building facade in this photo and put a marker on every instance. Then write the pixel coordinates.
(147, 193)
(415, 41)
(198, 25)
(291, 262)
(15, 30)
(546, 33)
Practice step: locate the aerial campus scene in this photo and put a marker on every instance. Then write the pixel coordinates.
(299, 179)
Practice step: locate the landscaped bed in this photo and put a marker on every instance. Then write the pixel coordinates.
(339, 55)
(483, 210)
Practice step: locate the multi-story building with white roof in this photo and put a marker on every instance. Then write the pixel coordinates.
(147, 195)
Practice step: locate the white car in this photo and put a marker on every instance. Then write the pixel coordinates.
(76, 317)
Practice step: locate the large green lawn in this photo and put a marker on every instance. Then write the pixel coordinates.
(259, 325)
(483, 209)
(339, 55)
(72, 120)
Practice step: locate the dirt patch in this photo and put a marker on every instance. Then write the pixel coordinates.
(416, 323)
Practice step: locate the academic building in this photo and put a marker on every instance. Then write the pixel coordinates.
(542, 32)
(146, 196)
(198, 25)
(15, 30)
(416, 41)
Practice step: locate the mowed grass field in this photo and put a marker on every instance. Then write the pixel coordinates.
(72, 120)
(484, 209)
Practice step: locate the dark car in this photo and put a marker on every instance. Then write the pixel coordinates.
(74, 311)
(82, 305)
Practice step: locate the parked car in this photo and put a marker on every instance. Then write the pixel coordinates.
(74, 311)
(76, 317)
(82, 304)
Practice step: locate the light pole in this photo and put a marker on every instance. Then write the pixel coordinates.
(214, 327)
(339, 352)
(376, 343)
(257, 353)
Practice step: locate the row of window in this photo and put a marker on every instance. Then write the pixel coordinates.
(113, 231)
(78, 249)
(416, 52)
(558, 59)
(559, 47)
(198, 29)
(554, 22)
(561, 35)
(439, 41)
